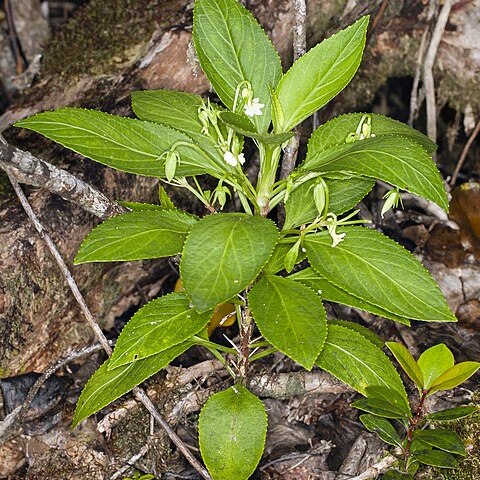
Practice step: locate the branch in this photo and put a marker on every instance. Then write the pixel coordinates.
(31, 170)
(375, 470)
(13, 424)
(428, 69)
(464, 153)
(299, 47)
(138, 392)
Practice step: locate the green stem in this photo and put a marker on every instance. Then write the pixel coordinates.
(222, 360)
(269, 159)
(208, 344)
(265, 353)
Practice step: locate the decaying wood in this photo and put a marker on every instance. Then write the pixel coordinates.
(36, 172)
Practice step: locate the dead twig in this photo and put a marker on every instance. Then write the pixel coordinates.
(464, 153)
(428, 80)
(15, 45)
(299, 47)
(17, 417)
(375, 470)
(138, 392)
(131, 461)
(417, 96)
(31, 170)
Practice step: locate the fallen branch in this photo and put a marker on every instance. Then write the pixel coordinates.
(375, 470)
(428, 69)
(138, 392)
(31, 170)
(464, 153)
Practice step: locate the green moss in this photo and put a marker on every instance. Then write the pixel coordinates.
(87, 43)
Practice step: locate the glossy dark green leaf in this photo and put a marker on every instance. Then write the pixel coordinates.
(232, 47)
(377, 270)
(335, 132)
(382, 427)
(106, 385)
(290, 316)
(453, 413)
(397, 475)
(441, 439)
(137, 235)
(437, 458)
(126, 144)
(319, 75)
(242, 125)
(407, 362)
(344, 194)
(332, 293)
(352, 358)
(380, 408)
(157, 326)
(232, 428)
(393, 159)
(223, 254)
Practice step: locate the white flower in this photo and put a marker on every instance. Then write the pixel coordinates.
(230, 158)
(253, 107)
(233, 160)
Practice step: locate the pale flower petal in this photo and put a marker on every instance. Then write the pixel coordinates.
(230, 158)
(241, 159)
(254, 107)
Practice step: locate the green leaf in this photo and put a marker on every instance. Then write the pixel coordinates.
(380, 408)
(223, 254)
(393, 159)
(277, 259)
(344, 194)
(335, 132)
(397, 475)
(364, 331)
(290, 316)
(377, 270)
(332, 293)
(442, 439)
(135, 236)
(232, 429)
(177, 110)
(453, 413)
(407, 362)
(383, 428)
(159, 325)
(141, 207)
(164, 199)
(435, 361)
(454, 376)
(437, 458)
(106, 385)
(320, 74)
(126, 144)
(241, 124)
(232, 47)
(353, 359)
